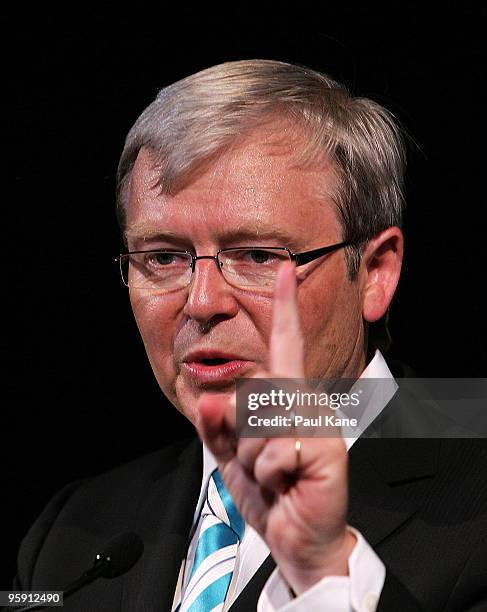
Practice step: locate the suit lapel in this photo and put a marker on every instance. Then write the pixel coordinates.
(164, 522)
(383, 465)
(381, 472)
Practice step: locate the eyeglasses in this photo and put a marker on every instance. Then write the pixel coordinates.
(165, 270)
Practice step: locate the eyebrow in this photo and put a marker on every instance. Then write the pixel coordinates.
(139, 234)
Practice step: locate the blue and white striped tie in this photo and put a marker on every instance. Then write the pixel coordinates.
(221, 530)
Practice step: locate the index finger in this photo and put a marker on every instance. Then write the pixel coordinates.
(286, 343)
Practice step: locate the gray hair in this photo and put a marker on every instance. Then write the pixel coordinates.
(196, 119)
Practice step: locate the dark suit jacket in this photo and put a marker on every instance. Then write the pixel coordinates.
(422, 505)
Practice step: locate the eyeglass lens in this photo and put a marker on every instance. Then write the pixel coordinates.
(159, 270)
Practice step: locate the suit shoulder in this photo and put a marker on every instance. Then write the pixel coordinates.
(130, 479)
(98, 507)
(149, 466)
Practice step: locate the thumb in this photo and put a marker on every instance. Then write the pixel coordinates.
(215, 424)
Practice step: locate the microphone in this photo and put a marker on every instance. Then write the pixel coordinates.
(118, 556)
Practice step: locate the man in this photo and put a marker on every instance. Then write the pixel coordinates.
(225, 181)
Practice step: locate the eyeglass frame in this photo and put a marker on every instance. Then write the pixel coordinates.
(299, 259)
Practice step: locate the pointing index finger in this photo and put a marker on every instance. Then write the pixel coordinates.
(286, 344)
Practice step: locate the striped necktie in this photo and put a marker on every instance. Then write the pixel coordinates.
(221, 530)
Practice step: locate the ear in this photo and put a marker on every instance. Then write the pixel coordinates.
(380, 270)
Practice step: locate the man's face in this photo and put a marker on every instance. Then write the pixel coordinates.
(252, 195)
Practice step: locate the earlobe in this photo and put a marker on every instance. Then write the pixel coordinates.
(382, 260)
(374, 303)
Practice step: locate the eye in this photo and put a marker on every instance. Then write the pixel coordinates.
(255, 258)
(163, 259)
(261, 257)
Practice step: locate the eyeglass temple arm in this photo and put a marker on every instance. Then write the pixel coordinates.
(303, 258)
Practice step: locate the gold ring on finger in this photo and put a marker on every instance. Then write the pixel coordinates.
(297, 447)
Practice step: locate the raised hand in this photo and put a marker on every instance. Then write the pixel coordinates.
(299, 510)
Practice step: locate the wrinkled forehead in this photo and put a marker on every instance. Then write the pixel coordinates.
(255, 185)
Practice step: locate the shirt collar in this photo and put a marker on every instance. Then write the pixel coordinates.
(376, 395)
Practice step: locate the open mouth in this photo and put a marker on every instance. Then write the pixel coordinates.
(214, 362)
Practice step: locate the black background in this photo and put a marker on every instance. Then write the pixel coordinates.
(79, 393)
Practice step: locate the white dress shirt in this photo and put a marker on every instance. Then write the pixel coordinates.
(357, 592)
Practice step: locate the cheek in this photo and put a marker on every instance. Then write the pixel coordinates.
(256, 312)
(330, 321)
(156, 319)
(317, 322)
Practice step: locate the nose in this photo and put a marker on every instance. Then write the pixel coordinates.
(210, 297)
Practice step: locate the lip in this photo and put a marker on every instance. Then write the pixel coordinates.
(214, 374)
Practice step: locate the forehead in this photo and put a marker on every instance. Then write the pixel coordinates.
(255, 187)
